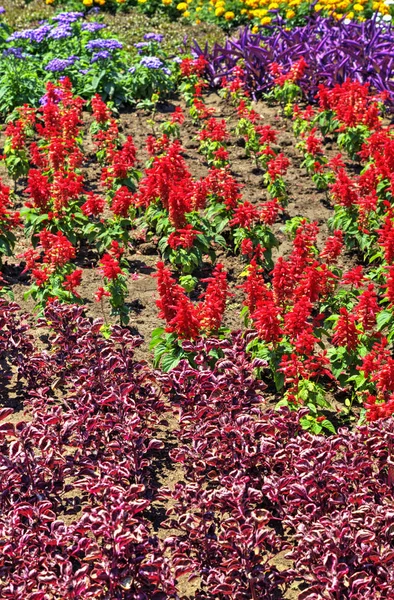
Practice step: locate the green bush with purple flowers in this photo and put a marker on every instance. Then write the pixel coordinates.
(77, 46)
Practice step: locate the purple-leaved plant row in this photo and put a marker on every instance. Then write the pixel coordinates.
(79, 485)
(334, 51)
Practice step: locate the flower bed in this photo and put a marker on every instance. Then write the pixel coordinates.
(242, 446)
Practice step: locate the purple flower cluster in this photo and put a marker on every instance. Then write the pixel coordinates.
(103, 55)
(16, 52)
(151, 62)
(68, 17)
(92, 27)
(154, 37)
(34, 35)
(108, 44)
(59, 64)
(61, 32)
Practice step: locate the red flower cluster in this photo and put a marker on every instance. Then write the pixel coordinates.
(183, 238)
(351, 102)
(187, 320)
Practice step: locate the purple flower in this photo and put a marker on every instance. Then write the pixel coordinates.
(177, 60)
(68, 17)
(2, 10)
(59, 64)
(103, 55)
(132, 70)
(104, 45)
(151, 62)
(61, 32)
(92, 27)
(154, 37)
(84, 71)
(17, 52)
(141, 45)
(166, 71)
(34, 35)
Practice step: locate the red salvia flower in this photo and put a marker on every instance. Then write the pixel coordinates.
(254, 287)
(101, 112)
(278, 166)
(345, 330)
(211, 310)
(354, 277)
(386, 239)
(245, 215)
(265, 318)
(183, 238)
(367, 308)
(101, 293)
(73, 280)
(343, 190)
(333, 247)
(122, 201)
(93, 206)
(169, 293)
(185, 322)
(110, 267)
(39, 189)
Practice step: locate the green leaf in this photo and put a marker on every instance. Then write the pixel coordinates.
(170, 361)
(328, 425)
(383, 318)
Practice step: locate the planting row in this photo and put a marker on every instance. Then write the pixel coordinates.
(80, 47)
(81, 496)
(230, 13)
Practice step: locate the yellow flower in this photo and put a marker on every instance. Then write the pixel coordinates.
(88, 2)
(182, 6)
(219, 11)
(290, 14)
(49, 1)
(229, 15)
(265, 20)
(255, 29)
(358, 7)
(243, 11)
(166, 2)
(198, 21)
(273, 6)
(186, 13)
(350, 15)
(383, 8)
(198, 8)
(318, 7)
